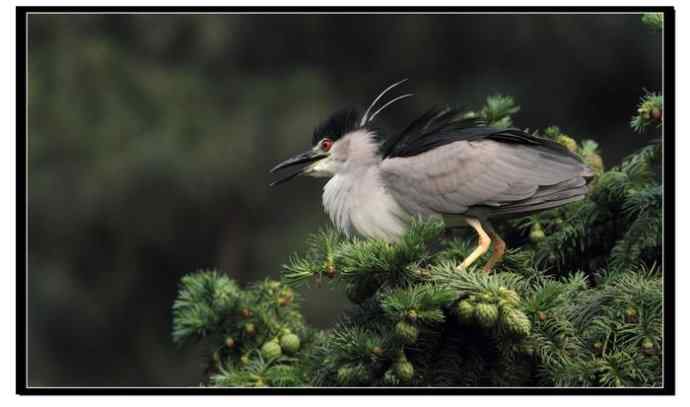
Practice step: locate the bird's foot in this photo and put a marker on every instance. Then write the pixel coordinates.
(466, 265)
(487, 268)
(497, 255)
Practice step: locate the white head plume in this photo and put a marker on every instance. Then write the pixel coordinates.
(366, 118)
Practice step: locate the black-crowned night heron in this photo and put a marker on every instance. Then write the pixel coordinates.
(443, 165)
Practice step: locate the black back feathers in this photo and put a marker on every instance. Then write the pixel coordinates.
(340, 123)
(444, 125)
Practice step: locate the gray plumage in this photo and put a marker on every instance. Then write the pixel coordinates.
(484, 178)
(442, 165)
(378, 198)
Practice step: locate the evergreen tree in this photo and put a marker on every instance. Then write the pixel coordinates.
(577, 301)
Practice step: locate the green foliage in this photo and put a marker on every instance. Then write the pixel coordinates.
(254, 336)
(654, 20)
(498, 110)
(650, 112)
(589, 151)
(587, 338)
(204, 300)
(576, 301)
(620, 224)
(552, 132)
(364, 265)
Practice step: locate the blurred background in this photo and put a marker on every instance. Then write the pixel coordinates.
(151, 136)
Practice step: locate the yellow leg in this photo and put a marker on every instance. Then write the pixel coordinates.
(499, 248)
(482, 247)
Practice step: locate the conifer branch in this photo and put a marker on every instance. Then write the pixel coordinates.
(577, 300)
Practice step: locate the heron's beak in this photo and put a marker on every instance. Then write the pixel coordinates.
(306, 157)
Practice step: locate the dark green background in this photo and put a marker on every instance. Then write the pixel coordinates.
(151, 136)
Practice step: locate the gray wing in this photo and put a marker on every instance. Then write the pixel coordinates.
(504, 177)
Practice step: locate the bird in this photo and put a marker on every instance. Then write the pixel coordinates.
(444, 165)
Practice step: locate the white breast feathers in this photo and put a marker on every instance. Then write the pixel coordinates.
(357, 202)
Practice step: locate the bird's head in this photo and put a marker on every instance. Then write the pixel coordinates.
(340, 142)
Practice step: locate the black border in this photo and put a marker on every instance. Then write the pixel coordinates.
(669, 214)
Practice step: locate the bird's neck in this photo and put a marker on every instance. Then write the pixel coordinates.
(362, 152)
(356, 199)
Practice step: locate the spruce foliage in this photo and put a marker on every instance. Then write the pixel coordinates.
(577, 301)
(577, 304)
(255, 336)
(654, 20)
(650, 112)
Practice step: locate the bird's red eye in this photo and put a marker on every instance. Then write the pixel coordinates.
(326, 144)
